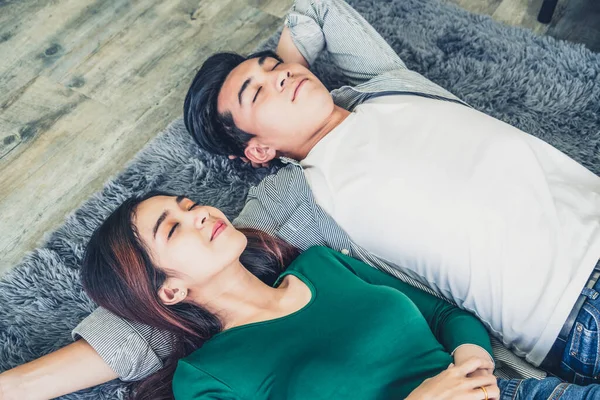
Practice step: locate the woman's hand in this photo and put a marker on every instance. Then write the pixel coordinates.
(456, 384)
(466, 352)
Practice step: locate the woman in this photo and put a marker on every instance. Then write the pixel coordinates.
(326, 327)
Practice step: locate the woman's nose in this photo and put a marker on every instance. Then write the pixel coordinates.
(201, 216)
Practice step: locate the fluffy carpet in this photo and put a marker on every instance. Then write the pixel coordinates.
(548, 88)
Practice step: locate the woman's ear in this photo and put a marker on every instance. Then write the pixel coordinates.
(171, 293)
(258, 153)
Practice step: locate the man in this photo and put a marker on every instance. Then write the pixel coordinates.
(406, 174)
(486, 215)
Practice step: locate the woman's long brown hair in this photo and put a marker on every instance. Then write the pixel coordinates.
(118, 274)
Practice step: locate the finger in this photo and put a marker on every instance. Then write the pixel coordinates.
(493, 392)
(244, 159)
(232, 157)
(473, 364)
(478, 381)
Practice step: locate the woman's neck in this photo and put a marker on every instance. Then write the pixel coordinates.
(238, 297)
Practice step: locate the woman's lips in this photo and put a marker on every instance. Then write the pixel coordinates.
(218, 227)
(298, 88)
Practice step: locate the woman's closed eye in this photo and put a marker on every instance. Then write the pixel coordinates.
(177, 223)
(172, 230)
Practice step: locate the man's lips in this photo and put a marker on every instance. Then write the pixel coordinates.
(218, 227)
(298, 88)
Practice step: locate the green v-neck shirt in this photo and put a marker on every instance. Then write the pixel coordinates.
(363, 335)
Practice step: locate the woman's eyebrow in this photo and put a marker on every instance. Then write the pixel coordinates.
(158, 222)
(164, 215)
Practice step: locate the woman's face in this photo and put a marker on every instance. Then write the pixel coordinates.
(190, 242)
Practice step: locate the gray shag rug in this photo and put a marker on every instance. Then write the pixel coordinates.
(548, 88)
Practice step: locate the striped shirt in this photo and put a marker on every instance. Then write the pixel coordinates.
(282, 204)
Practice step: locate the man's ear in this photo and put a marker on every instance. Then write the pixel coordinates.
(259, 153)
(171, 292)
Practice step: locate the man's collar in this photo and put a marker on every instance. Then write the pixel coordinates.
(287, 160)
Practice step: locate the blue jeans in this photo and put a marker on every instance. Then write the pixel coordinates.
(545, 389)
(580, 362)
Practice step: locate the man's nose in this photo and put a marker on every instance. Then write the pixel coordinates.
(282, 78)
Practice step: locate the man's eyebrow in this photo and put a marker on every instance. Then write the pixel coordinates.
(261, 61)
(244, 86)
(162, 217)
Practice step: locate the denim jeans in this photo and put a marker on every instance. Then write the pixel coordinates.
(545, 389)
(580, 362)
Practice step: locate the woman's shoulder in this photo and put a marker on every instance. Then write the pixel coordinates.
(191, 381)
(315, 253)
(314, 258)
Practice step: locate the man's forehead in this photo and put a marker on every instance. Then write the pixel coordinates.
(228, 96)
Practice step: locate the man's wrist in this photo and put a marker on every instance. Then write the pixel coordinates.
(9, 388)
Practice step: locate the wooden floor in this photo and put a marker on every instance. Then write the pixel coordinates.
(85, 84)
(576, 21)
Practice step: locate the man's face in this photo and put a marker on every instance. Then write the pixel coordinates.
(283, 105)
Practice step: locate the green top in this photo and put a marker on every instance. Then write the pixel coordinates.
(363, 335)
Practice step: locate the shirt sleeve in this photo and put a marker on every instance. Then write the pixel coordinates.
(133, 350)
(191, 383)
(354, 46)
(451, 326)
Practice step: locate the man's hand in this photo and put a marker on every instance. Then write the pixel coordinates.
(255, 165)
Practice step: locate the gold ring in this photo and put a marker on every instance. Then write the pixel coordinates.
(484, 392)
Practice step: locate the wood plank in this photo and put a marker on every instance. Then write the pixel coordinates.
(477, 6)
(16, 16)
(278, 8)
(44, 183)
(146, 58)
(518, 13)
(63, 34)
(85, 116)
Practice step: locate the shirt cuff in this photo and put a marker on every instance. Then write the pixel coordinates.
(476, 345)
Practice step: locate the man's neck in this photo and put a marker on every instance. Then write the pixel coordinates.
(335, 119)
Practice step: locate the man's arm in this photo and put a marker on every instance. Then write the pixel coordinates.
(287, 50)
(354, 45)
(72, 368)
(111, 347)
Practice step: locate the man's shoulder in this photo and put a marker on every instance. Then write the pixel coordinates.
(287, 180)
(274, 199)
